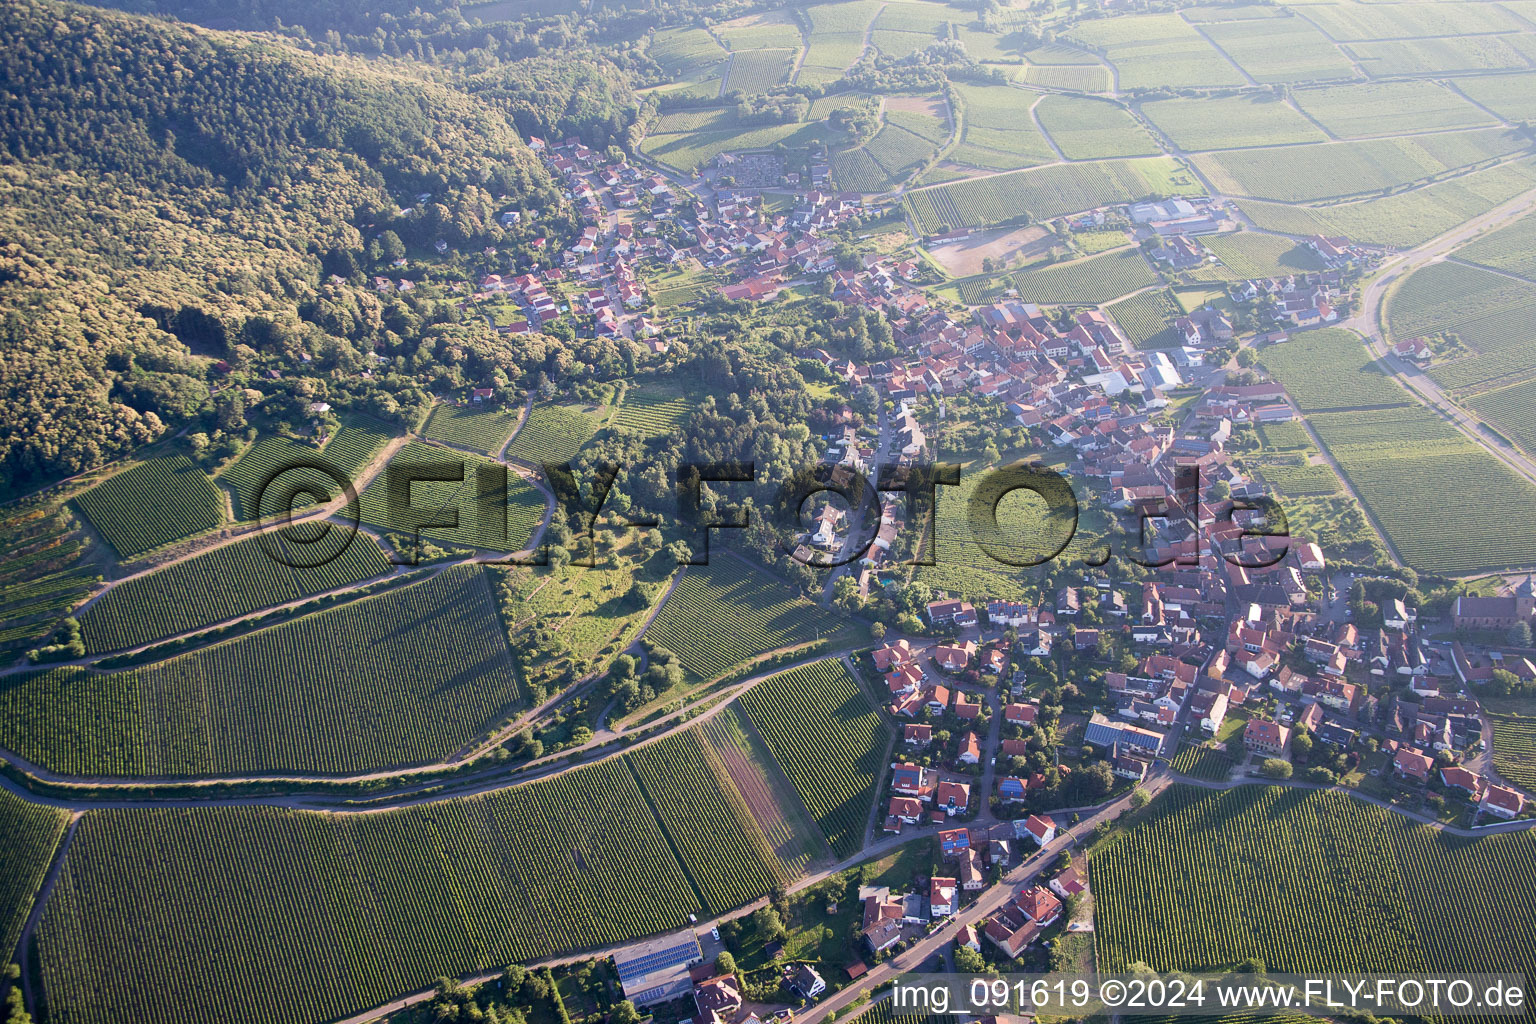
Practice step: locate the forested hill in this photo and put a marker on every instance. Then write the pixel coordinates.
(156, 178)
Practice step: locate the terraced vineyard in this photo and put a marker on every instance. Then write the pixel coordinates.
(479, 430)
(223, 584)
(554, 433)
(829, 740)
(152, 504)
(490, 516)
(1192, 886)
(319, 916)
(711, 829)
(1045, 192)
(346, 453)
(1331, 369)
(407, 677)
(44, 574)
(1092, 280)
(1449, 507)
(30, 833)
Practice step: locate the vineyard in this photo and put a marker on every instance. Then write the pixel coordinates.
(711, 829)
(1514, 746)
(1147, 319)
(1246, 255)
(406, 677)
(31, 833)
(1486, 312)
(1092, 280)
(225, 583)
(1388, 108)
(152, 504)
(1449, 507)
(346, 453)
(44, 574)
(1203, 762)
(755, 71)
(653, 409)
(1510, 96)
(1331, 369)
(1276, 50)
(1229, 122)
(1091, 129)
(490, 517)
(1194, 885)
(314, 917)
(1045, 192)
(1511, 248)
(1486, 372)
(555, 433)
(724, 614)
(1077, 77)
(1511, 410)
(479, 430)
(686, 50)
(1157, 50)
(828, 738)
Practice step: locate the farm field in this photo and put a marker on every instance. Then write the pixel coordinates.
(780, 815)
(1246, 255)
(225, 583)
(405, 677)
(829, 739)
(1230, 122)
(1511, 410)
(1090, 129)
(1046, 192)
(492, 515)
(1280, 50)
(1331, 369)
(712, 831)
(1332, 169)
(1484, 311)
(1404, 463)
(770, 30)
(1512, 97)
(1156, 50)
(1405, 219)
(31, 833)
(346, 453)
(998, 133)
(678, 285)
(1192, 887)
(479, 430)
(1511, 248)
(321, 916)
(1096, 279)
(1388, 108)
(724, 614)
(154, 503)
(1147, 319)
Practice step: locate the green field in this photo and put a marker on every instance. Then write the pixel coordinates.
(1331, 369)
(1474, 374)
(678, 285)
(724, 614)
(32, 833)
(1382, 59)
(709, 824)
(1093, 280)
(688, 151)
(1147, 319)
(683, 51)
(1448, 506)
(286, 463)
(1045, 193)
(152, 504)
(1151, 50)
(1388, 108)
(1195, 885)
(1331, 169)
(491, 516)
(319, 916)
(1246, 255)
(479, 430)
(555, 433)
(1486, 312)
(829, 739)
(1090, 129)
(1228, 122)
(1405, 219)
(998, 133)
(1511, 248)
(761, 31)
(226, 583)
(1276, 50)
(1353, 22)
(406, 677)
